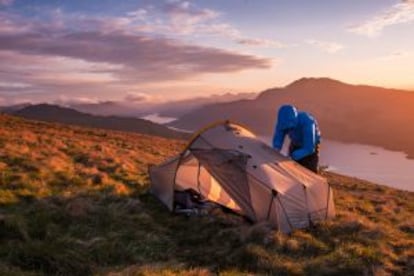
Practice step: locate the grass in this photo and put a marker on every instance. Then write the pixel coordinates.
(73, 201)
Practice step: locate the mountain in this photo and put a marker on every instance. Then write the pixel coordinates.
(13, 108)
(108, 108)
(54, 113)
(73, 201)
(348, 113)
(181, 107)
(144, 107)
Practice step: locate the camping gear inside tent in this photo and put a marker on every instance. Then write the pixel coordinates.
(227, 164)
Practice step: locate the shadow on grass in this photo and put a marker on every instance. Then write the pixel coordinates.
(99, 232)
(83, 234)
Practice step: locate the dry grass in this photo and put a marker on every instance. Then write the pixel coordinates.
(73, 202)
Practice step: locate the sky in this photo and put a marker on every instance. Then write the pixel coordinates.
(161, 50)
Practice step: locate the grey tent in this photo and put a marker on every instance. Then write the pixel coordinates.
(227, 164)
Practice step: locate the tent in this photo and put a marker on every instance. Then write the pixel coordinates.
(227, 164)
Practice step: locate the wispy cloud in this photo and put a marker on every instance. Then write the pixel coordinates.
(74, 52)
(55, 57)
(184, 18)
(41, 74)
(261, 42)
(66, 100)
(400, 13)
(326, 46)
(8, 84)
(396, 55)
(139, 97)
(187, 12)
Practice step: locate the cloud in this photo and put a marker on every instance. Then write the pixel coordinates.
(71, 54)
(397, 55)
(137, 97)
(261, 42)
(27, 71)
(105, 63)
(65, 100)
(188, 19)
(174, 18)
(12, 23)
(7, 84)
(184, 18)
(397, 14)
(326, 46)
(142, 58)
(187, 11)
(140, 14)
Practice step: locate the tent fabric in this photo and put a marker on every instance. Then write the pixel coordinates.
(227, 164)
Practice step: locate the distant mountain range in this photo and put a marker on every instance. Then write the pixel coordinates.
(143, 107)
(13, 108)
(348, 113)
(54, 113)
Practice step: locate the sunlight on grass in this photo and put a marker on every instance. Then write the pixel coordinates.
(73, 201)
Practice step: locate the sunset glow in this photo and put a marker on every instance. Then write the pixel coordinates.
(168, 49)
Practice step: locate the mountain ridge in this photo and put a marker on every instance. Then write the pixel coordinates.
(347, 113)
(143, 106)
(55, 113)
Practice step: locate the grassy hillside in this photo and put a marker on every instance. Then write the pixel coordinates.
(73, 202)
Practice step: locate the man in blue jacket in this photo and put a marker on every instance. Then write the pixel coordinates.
(304, 134)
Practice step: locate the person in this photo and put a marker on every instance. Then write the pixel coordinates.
(304, 134)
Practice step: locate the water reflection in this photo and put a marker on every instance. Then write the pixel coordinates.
(367, 162)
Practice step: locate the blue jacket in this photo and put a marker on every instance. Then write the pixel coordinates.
(302, 129)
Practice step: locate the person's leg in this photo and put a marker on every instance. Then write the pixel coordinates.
(311, 162)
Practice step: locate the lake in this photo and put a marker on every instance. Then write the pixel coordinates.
(375, 164)
(157, 118)
(391, 168)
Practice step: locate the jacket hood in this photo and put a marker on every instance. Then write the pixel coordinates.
(287, 117)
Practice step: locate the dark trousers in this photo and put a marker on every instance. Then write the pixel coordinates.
(311, 161)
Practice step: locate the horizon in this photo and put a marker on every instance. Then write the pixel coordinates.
(162, 50)
(129, 100)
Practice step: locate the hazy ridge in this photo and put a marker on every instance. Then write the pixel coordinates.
(347, 113)
(54, 113)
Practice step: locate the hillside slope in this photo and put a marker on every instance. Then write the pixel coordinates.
(54, 113)
(73, 202)
(347, 113)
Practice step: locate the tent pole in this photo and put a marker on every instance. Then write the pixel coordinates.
(274, 193)
(198, 177)
(284, 212)
(307, 205)
(327, 202)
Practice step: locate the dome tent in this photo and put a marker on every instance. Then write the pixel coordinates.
(229, 165)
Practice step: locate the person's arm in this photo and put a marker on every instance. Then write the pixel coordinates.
(278, 138)
(309, 143)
